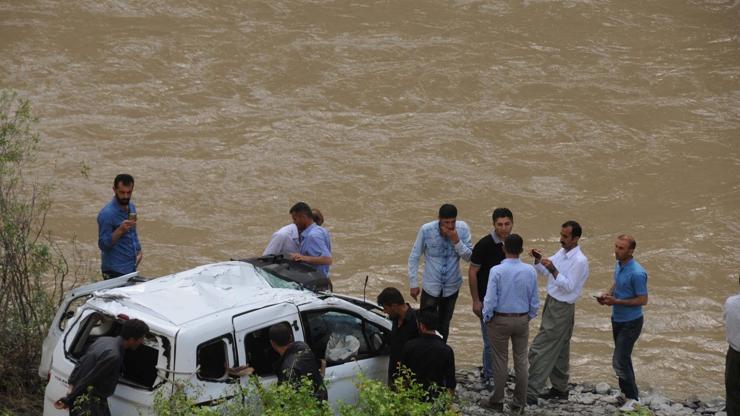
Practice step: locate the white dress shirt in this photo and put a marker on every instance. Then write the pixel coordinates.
(572, 274)
(284, 241)
(732, 321)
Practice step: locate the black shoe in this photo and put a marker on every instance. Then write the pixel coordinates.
(486, 404)
(516, 410)
(554, 394)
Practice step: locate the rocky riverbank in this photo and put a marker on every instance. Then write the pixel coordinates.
(584, 399)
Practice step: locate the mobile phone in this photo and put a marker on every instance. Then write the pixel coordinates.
(132, 216)
(535, 254)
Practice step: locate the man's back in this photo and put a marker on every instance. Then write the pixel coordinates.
(284, 241)
(99, 367)
(431, 360)
(298, 362)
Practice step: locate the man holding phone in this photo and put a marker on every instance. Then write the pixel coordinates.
(443, 243)
(626, 297)
(120, 250)
(549, 355)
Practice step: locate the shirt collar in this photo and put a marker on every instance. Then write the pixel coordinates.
(309, 228)
(496, 239)
(508, 260)
(569, 254)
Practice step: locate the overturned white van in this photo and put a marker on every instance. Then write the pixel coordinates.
(204, 320)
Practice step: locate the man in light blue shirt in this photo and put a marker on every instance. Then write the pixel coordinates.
(315, 242)
(511, 301)
(443, 243)
(626, 297)
(120, 250)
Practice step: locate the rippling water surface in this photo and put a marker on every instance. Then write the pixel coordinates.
(623, 115)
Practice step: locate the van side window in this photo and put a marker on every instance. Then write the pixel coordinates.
(71, 309)
(339, 337)
(260, 354)
(213, 358)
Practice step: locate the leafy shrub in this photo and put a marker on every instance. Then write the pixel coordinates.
(407, 398)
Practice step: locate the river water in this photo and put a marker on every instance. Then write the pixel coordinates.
(622, 115)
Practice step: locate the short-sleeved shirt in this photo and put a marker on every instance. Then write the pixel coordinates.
(316, 242)
(400, 335)
(630, 281)
(488, 252)
(121, 256)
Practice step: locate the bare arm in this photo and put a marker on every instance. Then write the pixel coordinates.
(473, 281)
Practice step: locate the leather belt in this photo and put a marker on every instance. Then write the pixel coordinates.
(509, 315)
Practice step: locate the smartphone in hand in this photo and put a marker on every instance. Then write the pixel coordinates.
(536, 254)
(132, 216)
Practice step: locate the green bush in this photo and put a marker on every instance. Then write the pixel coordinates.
(32, 269)
(407, 398)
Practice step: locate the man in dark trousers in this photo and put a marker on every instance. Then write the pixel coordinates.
(98, 371)
(296, 360)
(488, 252)
(627, 296)
(429, 358)
(404, 326)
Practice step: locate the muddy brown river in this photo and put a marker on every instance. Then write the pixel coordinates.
(622, 115)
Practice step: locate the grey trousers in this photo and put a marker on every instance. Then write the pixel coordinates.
(500, 330)
(549, 356)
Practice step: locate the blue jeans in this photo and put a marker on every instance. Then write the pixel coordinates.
(625, 335)
(487, 353)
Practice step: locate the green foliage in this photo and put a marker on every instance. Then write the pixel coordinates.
(407, 398)
(253, 399)
(641, 411)
(32, 267)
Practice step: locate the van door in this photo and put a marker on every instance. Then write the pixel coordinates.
(67, 308)
(351, 344)
(252, 341)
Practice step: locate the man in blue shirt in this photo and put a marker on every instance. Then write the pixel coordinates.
(626, 298)
(120, 250)
(315, 241)
(511, 301)
(443, 243)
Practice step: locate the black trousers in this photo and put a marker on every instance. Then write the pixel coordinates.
(443, 307)
(732, 382)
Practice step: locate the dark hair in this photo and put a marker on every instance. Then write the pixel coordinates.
(134, 328)
(390, 296)
(447, 211)
(502, 213)
(629, 238)
(281, 334)
(575, 228)
(513, 244)
(301, 208)
(428, 318)
(318, 217)
(124, 178)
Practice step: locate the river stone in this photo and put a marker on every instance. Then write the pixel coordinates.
(586, 398)
(603, 388)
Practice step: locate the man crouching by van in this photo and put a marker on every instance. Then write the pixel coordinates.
(296, 360)
(99, 369)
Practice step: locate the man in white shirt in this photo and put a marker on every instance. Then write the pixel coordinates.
(284, 241)
(549, 355)
(732, 361)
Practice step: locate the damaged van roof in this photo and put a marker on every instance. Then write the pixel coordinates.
(205, 290)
